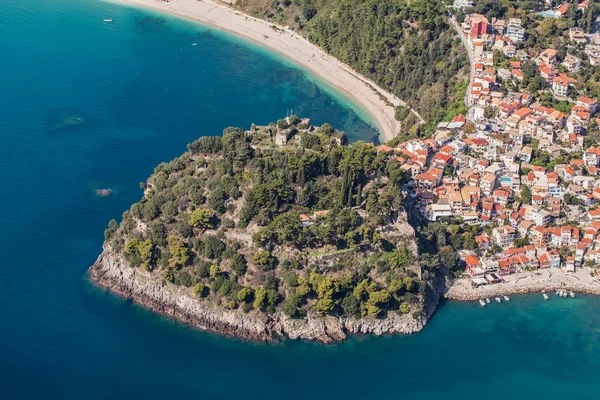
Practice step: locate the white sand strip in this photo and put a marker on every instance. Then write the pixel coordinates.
(363, 91)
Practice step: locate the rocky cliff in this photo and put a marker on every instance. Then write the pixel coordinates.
(111, 271)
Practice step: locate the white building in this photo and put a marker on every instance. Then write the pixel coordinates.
(463, 3)
(514, 30)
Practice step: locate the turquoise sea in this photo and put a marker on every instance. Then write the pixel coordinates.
(86, 105)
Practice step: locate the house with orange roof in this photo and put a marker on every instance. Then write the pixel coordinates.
(561, 10)
(550, 259)
(441, 160)
(504, 235)
(479, 144)
(547, 72)
(431, 144)
(517, 74)
(501, 196)
(570, 265)
(305, 220)
(590, 104)
(473, 267)
(408, 153)
(483, 241)
(577, 123)
(583, 5)
(594, 215)
(580, 250)
(385, 149)
(539, 234)
(592, 157)
(447, 150)
(561, 83)
(548, 56)
(564, 236)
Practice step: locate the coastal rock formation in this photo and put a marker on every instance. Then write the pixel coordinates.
(113, 272)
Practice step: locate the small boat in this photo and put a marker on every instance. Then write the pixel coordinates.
(506, 298)
(545, 296)
(558, 292)
(487, 300)
(564, 294)
(482, 303)
(572, 294)
(498, 300)
(108, 20)
(194, 44)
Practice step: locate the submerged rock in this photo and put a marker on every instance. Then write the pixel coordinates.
(66, 119)
(104, 192)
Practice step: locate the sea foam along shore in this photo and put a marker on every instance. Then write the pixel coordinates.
(293, 46)
(549, 280)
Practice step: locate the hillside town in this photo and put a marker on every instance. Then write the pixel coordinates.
(522, 166)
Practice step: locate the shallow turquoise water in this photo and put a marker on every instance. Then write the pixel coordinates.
(144, 92)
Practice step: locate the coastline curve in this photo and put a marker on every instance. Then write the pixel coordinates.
(378, 103)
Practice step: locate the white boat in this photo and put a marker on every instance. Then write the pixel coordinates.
(545, 296)
(558, 292)
(498, 299)
(108, 20)
(482, 303)
(506, 298)
(487, 300)
(564, 294)
(194, 44)
(572, 294)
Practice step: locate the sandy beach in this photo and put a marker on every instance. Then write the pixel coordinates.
(549, 280)
(293, 46)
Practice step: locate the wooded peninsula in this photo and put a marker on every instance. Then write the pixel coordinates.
(286, 223)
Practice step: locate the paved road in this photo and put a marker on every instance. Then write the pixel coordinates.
(463, 38)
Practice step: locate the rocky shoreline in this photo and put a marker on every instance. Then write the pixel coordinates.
(112, 272)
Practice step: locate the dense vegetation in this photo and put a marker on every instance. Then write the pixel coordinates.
(309, 226)
(407, 47)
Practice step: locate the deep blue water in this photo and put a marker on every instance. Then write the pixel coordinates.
(144, 92)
